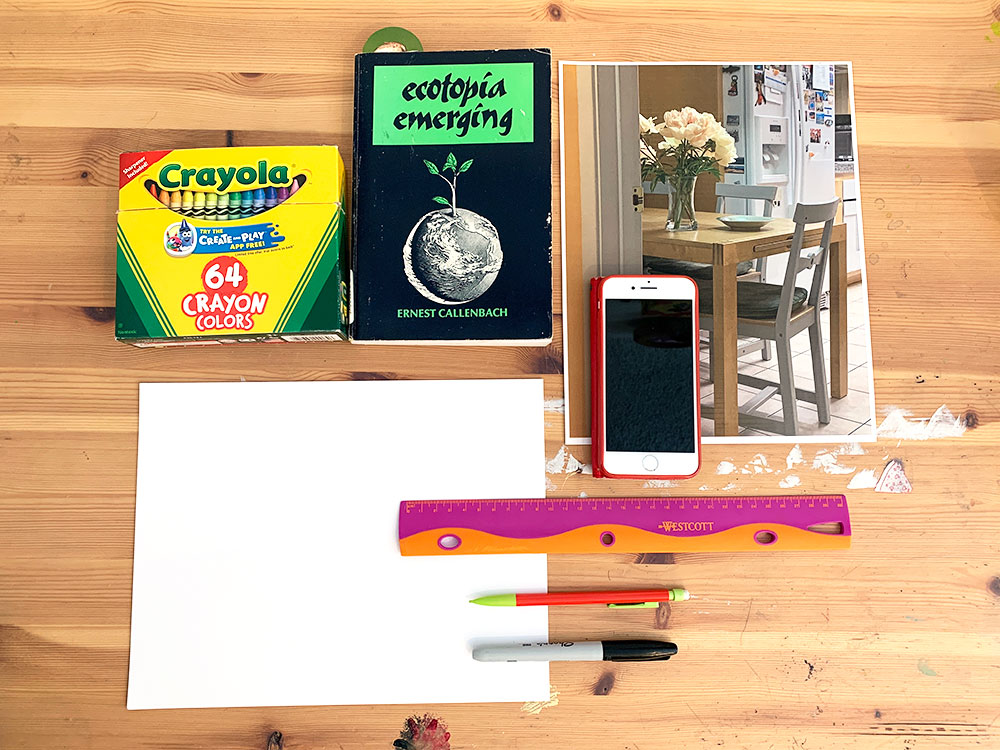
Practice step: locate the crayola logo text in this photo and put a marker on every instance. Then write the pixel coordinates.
(172, 176)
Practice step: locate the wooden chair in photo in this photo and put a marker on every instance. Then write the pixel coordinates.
(745, 271)
(766, 195)
(777, 312)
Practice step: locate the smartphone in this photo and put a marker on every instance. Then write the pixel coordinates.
(644, 365)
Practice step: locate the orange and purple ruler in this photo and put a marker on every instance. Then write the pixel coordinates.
(624, 524)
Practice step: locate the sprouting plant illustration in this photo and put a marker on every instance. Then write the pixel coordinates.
(452, 256)
(450, 164)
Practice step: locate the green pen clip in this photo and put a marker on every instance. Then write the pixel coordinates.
(637, 605)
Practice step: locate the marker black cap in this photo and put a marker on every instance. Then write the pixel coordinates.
(638, 650)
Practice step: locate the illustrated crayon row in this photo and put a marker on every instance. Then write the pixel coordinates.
(240, 204)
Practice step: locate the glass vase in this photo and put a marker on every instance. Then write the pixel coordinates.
(680, 214)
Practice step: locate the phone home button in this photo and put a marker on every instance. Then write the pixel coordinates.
(649, 463)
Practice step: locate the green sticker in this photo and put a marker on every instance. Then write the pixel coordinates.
(407, 39)
(453, 104)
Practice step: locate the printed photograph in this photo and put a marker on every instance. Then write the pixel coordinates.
(742, 177)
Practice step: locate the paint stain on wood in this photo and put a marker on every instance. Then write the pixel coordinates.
(941, 424)
(423, 733)
(99, 314)
(993, 585)
(925, 668)
(864, 479)
(565, 462)
(605, 684)
(812, 668)
(535, 707)
(276, 741)
(662, 616)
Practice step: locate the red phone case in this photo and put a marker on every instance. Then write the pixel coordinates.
(597, 386)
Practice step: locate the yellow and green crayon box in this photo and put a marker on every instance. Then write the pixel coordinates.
(231, 244)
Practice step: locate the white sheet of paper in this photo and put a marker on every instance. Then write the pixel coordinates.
(267, 569)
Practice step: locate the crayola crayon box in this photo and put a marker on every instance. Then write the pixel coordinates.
(231, 244)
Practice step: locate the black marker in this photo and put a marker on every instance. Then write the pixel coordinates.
(586, 651)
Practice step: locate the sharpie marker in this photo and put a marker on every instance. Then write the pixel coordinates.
(586, 651)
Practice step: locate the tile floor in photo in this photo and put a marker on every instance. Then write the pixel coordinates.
(851, 415)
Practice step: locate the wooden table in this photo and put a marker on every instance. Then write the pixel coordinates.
(890, 643)
(713, 242)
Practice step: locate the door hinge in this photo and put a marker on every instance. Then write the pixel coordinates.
(638, 199)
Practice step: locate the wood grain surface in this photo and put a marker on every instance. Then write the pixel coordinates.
(892, 644)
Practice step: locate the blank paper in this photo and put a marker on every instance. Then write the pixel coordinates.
(267, 568)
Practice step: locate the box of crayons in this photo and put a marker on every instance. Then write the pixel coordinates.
(231, 244)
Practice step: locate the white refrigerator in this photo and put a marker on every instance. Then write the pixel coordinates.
(782, 117)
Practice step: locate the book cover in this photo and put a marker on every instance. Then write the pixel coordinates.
(452, 228)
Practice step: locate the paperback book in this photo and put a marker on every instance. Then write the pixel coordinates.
(452, 222)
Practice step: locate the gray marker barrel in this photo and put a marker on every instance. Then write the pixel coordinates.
(586, 651)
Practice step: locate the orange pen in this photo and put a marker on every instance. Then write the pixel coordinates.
(616, 599)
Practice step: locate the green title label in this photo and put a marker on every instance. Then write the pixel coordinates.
(448, 104)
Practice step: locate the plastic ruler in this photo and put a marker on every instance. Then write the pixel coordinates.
(624, 524)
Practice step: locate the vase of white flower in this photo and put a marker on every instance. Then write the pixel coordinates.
(680, 215)
(676, 151)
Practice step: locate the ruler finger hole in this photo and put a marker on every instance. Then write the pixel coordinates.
(765, 537)
(607, 538)
(449, 541)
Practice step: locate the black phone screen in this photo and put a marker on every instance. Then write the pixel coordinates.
(649, 377)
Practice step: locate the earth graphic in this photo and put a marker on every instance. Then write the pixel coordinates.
(452, 259)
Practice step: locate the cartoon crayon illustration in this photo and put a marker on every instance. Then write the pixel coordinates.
(187, 202)
(211, 206)
(198, 210)
(282, 194)
(258, 200)
(175, 201)
(270, 198)
(246, 204)
(187, 236)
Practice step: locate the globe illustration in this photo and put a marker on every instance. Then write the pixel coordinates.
(452, 259)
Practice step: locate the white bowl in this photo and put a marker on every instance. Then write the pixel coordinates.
(745, 223)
